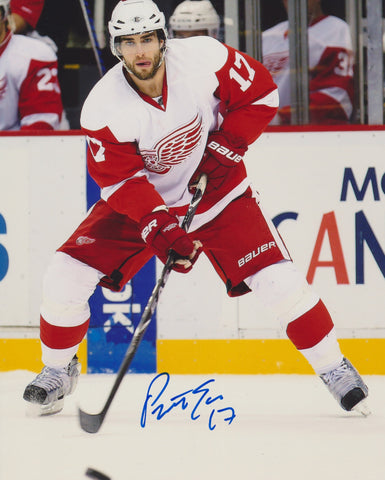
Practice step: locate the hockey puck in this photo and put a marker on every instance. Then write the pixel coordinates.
(92, 473)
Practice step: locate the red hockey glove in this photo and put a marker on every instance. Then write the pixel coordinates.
(222, 154)
(161, 231)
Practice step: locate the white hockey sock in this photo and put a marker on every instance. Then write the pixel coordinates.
(324, 356)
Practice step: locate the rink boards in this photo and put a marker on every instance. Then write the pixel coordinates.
(323, 189)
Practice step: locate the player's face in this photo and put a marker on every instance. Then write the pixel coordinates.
(313, 8)
(189, 33)
(141, 53)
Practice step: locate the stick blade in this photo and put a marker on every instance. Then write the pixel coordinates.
(90, 422)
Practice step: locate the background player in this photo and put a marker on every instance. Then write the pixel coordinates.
(30, 96)
(152, 128)
(191, 18)
(331, 60)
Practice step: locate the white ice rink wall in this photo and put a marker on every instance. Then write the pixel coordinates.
(324, 189)
(42, 199)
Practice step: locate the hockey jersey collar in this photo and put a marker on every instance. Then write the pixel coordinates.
(4, 43)
(151, 100)
(319, 19)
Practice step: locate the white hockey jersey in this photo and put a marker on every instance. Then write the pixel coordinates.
(30, 96)
(330, 69)
(142, 154)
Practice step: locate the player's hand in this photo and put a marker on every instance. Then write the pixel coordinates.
(222, 154)
(162, 233)
(184, 265)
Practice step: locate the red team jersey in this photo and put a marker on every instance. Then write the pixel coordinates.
(140, 149)
(330, 69)
(30, 95)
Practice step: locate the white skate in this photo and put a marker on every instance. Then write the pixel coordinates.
(347, 387)
(47, 391)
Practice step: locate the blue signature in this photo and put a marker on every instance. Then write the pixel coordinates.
(195, 398)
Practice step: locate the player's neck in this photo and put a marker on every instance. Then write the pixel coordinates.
(315, 14)
(153, 86)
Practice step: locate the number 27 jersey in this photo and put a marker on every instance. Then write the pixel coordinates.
(143, 151)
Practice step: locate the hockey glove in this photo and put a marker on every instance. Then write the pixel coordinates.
(222, 154)
(161, 231)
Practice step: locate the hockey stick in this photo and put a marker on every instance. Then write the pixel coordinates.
(92, 34)
(91, 423)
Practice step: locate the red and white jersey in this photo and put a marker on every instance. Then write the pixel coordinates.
(30, 96)
(142, 154)
(330, 69)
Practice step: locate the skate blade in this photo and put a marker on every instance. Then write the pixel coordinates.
(37, 410)
(362, 408)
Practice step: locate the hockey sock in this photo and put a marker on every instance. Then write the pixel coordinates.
(313, 334)
(60, 344)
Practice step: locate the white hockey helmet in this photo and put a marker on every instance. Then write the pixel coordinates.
(132, 17)
(195, 15)
(4, 4)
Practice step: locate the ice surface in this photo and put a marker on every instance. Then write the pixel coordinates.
(286, 427)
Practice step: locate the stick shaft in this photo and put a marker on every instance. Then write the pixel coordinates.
(92, 35)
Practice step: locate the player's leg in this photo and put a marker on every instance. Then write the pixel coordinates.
(284, 291)
(64, 320)
(249, 255)
(99, 252)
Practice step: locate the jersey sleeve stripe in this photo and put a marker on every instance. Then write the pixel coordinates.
(341, 97)
(106, 192)
(270, 100)
(49, 118)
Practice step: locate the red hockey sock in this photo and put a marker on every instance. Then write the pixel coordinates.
(62, 337)
(310, 328)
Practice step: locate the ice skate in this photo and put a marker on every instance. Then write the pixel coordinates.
(347, 387)
(47, 391)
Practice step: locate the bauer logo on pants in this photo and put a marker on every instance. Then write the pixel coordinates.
(255, 253)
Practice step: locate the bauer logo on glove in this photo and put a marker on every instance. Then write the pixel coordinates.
(225, 152)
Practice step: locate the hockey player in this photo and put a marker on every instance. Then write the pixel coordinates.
(153, 126)
(30, 96)
(194, 18)
(330, 67)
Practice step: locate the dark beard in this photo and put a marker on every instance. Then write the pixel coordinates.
(149, 75)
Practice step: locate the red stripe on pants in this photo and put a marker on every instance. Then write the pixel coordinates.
(311, 327)
(61, 337)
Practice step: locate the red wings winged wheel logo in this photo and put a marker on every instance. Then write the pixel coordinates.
(173, 149)
(3, 87)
